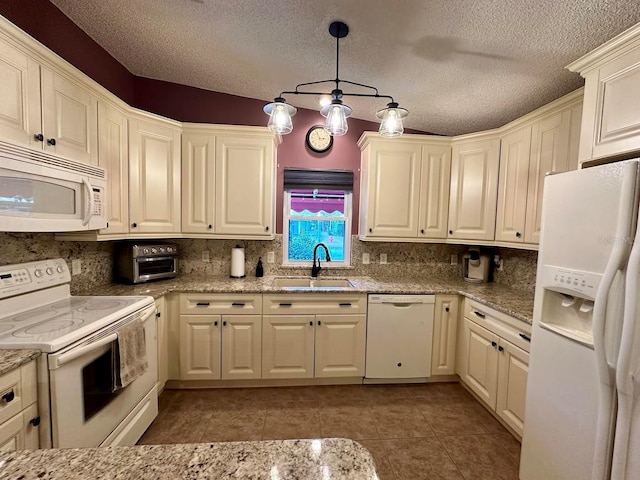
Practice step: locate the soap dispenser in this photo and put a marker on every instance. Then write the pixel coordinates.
(259, 269)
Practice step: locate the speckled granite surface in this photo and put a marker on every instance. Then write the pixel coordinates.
(517, 303)
(334, 458)
(12, 359)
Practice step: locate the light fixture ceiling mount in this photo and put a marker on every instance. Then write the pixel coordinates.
(336, 113)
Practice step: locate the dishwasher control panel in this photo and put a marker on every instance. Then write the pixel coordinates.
(402, 299)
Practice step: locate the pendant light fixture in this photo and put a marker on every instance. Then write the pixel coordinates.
(336, 112)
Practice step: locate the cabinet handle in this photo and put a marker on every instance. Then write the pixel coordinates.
(526, 338)
(346, 304)
(422, 231)
(224, 324)
(450, 232)
(202, 304)
(311, 323)
(501, 348)
(494, 344)
(285, 304)
(9, 396)
(39, 137)
(319, 323)
(134, 225)
(51, 141)
(371, 230)
(266, 229)
(518, 234)
(35, 421)
(237, 304)
(399, 364)
(481, 315)
(446, 309)
(215, 324)
(158, 315)
(210, 226)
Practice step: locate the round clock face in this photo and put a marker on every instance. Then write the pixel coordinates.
(318, 139)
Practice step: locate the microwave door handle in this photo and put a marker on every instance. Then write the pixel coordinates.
(89, 210)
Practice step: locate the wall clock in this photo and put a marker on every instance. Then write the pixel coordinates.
(318, 139)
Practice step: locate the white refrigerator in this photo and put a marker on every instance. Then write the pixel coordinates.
(582, 416)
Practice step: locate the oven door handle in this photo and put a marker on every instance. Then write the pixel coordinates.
(73, 354)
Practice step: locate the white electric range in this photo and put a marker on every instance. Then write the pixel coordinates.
(77, 404)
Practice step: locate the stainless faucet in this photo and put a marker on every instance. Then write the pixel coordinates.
(316, 268)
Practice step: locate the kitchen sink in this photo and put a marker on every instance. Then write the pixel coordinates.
(311, 283)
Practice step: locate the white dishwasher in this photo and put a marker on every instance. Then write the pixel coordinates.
(399, 336)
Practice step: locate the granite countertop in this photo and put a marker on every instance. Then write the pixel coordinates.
(12, 359)
(335, 458)
(517, 303)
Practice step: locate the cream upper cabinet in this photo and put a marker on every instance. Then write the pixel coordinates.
(154, 177)
(198, 183)
(611, 118)
(113, 155)
(245, 185)
(474, 187)
(288, 346)
(515, 148)
(45, 109)
(241, 347)
(404, 187)
(340, 345)
(445, 333)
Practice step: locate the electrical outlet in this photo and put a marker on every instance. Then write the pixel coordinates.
(76, 266)
(498, 262)
(383, 258)
(271, 257)
(366, 259)
(206, 256)
(454, 259)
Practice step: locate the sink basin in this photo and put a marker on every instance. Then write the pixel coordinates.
(311, 283)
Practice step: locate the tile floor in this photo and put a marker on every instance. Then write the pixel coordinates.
(432, 431)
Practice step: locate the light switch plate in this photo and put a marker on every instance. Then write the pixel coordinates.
(271, 257)
(383, 258)
(366, 259)
(76, 266)
(206, 256)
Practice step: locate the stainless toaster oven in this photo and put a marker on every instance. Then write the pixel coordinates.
(143, 262)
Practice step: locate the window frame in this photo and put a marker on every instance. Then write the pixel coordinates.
(348, 211)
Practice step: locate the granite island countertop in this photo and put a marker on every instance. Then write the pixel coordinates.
(335, 458)
(514, 302)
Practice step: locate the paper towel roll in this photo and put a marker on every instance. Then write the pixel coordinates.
(237, 262)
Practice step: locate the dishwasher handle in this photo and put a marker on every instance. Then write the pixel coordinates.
(402, 304)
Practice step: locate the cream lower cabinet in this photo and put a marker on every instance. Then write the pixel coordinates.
(494, 368)
(19, 418)
(474, 187)
(220, 337)
(404, 190)
(154, 176)
(307, 336)
(445, 333)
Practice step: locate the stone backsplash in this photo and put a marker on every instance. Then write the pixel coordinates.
(406, 260)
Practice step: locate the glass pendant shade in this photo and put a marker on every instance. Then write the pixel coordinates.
(280, 114)
(337, 114)
(391, 120)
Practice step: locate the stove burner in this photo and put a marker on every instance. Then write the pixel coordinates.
(46, 327)
(40, 316)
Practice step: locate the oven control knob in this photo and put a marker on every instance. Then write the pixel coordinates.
(49, 271)
(161, 249)
(60, 269)
(145, 251)
(38, 273)
(154, 250)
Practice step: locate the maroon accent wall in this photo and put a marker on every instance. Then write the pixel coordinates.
(47, 24)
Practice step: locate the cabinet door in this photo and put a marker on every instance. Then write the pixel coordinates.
(445, 331)
(287, 346)
(481, 369)
(393, 190)
(200, 347)
(474, 187)
(198, 186)
(513, 368)
(113, 155)
(435, 178)
(20, 110)
(70, 118)
(241, 347)
(154, 174)
(340, 345)
(12, 434)
(245, 186)
(31, 432)
(515, 149)
(163, 343)
(549, 153)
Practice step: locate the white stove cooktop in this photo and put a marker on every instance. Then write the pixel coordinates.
(56, 325)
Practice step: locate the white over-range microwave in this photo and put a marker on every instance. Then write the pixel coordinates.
(41, 192)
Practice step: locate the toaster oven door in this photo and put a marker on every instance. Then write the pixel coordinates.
(152, 268)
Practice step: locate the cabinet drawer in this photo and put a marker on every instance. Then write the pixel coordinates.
(220, 304)
(501, 324)
(312, 304)
(10, 395)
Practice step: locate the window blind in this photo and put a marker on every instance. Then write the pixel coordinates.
(307, 179)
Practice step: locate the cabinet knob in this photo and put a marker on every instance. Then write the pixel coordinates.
(319, 323)
(215, 324)
(399, 364)
(518, 234)
(446, 309)
(266, 229)
(311, 323)
(501, 348)
(422, 231)
(158, 315)
(134, 225)
(371, 230)
(35, 421)
(450, 232)
(39, 137)
(9, 396)
(494, 344)
(209, 227)
(51, 141)
(224, 324)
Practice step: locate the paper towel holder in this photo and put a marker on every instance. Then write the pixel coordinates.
(237, 262)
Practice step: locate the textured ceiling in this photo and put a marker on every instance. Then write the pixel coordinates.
(458, 66)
